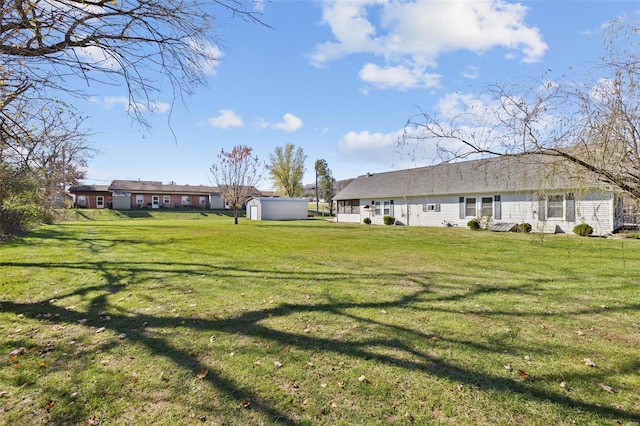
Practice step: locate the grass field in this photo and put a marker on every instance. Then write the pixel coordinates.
(192, 320)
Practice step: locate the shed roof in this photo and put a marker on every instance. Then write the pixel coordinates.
(498, 174)
(279, 199)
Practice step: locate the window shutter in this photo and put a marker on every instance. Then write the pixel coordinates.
(461, 204)
(497, 207)
(542, 206)
(437, 208)
(571, 207)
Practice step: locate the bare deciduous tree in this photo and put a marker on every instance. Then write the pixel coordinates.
(592, 124)
(134, 43)
(235, 174)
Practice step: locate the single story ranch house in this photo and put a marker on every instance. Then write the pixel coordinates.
(91, 196)
(549, 194)
(136, 194)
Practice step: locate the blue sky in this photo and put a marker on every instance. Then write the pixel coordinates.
(340, 79)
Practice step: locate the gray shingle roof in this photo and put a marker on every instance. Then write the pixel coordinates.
(89, 188)
(501, 174)
(159, 187)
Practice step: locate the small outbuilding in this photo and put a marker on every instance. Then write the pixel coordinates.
(275, 208)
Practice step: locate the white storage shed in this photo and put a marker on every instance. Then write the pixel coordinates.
(275, 208)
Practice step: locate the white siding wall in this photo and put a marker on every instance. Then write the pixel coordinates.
(597, 212)
(595, 209)
(279, 208)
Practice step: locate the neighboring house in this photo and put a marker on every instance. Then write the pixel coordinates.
(136, 194)
(277, 208)
(62, 199)
(91, 196)
(251, 191)
(550, 195)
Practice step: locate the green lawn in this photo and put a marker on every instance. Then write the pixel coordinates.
(175, 320)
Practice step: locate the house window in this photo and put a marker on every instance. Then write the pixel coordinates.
(555, 206)
(185, 200)
(487, 206)
(202, 201)
(428, 207)
(470, 207)
(139, 200)
(166, 200)
(349, 206)
(81, 200)
(377, 211)
(155, 200)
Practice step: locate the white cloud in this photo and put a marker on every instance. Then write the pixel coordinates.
(97, 56)
(387, 150)
(209, 56)
(410, 36)
(399, 77)
(289, 123)
(455, 106)
(376, 148)
(111, 101)
(471, 72)
(226, 119)
(258, 5)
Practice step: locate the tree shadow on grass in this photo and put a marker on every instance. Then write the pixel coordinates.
(397, 350)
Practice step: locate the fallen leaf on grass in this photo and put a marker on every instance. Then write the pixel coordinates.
(122, 336)
(277, 364)
(588, 362)
(50, 406)
(362, 378)
(563, 385)
(4, 393)
(340, 384)
(100, 330)
(523, 374)
(580, 333)
(246, 403)
(202, 374)
(333, 404)
(606, 387)
(92, 421)
(18, 351)
(508, 367)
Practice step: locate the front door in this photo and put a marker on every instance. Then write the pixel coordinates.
(253, 212)
(99, 202)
